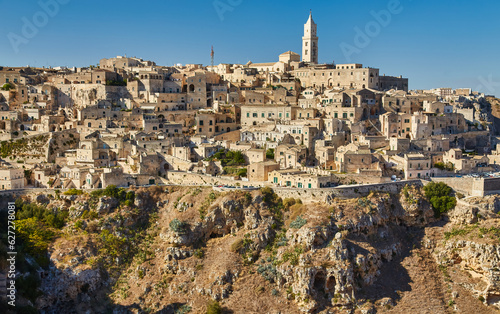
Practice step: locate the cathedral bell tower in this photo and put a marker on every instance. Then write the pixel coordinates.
(310, 42)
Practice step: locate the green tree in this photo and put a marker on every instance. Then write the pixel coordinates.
(242, 172)
(440, 196)
(270, 153)
(7, 86)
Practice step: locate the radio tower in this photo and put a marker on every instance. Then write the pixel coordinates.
(212, 56)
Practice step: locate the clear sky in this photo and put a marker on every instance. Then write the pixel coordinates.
(449, 43)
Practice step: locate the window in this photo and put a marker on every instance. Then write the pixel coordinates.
(248, 114)
(201, 122)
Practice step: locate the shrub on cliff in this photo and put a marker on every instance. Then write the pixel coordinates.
(178, 226)
(73, 192)
(298, 223)
(440, 197)
(213, 307)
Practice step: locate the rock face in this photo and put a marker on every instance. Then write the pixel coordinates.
(106, 204)
(482, 261)
(472, 245)
(470, 210)
(239, 247)
(68, 285)
(42, 199)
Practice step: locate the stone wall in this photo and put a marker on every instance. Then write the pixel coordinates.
(350, 191)
(472, 186)
(186, 178)
(462, 185)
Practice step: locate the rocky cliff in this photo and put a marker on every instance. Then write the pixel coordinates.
(174, 249)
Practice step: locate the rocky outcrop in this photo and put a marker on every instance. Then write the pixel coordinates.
(312, 258)
(471, 209)
(481, 261)
(472, 244)
(106, 204)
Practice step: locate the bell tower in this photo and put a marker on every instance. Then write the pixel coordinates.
(310, 41)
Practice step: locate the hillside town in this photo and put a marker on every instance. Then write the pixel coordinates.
(290, 122)
(288, 186)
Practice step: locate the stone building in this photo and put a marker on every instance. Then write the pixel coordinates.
(257, 114)
(417, 165)
(464, 164)
(259, 171)
(11, 178)
(297, 178)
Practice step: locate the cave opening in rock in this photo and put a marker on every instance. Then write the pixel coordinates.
(214, 235)
(320, 283)
(330, 285)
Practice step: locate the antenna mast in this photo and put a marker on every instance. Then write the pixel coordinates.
(212, 57)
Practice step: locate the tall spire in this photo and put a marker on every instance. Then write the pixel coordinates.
(310, 41)
(310, 17)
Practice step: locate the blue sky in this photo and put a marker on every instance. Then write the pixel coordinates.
(449, 43)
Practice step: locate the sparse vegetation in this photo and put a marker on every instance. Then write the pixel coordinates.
(73, 192)
(298, 223)
(448, 166)
(178, 226)
(213, 307)
(228, 158)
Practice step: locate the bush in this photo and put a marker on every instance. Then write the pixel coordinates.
(267, 194)
(79, 224)
(41, 213)
(116, 83)
(298, 223)
(112, 191)
(7, 86)
(36, 238)
(178, 226)
(73, 192)
(441, 165)
(270, 153)
(288, 202)
(213, 307)
(440, 197)
(242, 172)
(199, 253)
(183, 309)
(237, 245)
(229, 158)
